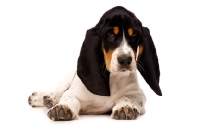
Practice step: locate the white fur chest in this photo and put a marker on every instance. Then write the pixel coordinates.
(121, 84)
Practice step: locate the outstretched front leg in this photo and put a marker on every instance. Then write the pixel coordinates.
(128, 108)
(67, 108)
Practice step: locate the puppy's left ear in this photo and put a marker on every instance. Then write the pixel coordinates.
(90, 62)
(147, 61)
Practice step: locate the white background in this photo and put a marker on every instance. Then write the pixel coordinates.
(40, 41)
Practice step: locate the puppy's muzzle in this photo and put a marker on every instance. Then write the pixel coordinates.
(124, 60)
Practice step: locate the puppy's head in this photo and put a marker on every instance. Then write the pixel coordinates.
(120, 38)
(121, 43)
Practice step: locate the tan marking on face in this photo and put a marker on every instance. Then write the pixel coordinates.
(135, 53)
(139, 50)
(107, 58)
(130, 32)
(116, 30)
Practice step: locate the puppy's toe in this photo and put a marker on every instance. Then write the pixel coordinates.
(60, 113)
(125, 113)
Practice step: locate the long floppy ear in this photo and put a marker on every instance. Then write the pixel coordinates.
(147, 61)
(90, 62)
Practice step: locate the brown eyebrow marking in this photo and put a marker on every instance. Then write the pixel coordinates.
(116, 30)
(130, 31)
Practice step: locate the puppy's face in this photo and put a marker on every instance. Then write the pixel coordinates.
(120, 41)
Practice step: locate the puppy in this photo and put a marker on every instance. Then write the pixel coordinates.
(105, 78)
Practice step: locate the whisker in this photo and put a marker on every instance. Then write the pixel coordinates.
(103, 69)
(102, 64)
(140, 66)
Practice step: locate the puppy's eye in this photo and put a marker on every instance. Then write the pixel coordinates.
(111, 36)
(134, 35)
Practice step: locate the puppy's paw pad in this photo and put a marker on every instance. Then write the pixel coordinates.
(60, 113)
(34, 93)
(125, 113)
(48, 102)
(31, 101)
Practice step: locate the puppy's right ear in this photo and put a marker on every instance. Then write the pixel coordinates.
(89, 65)
(148, 60)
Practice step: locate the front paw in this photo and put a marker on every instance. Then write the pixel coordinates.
(60, 113)
(125, 113)
(49, 101)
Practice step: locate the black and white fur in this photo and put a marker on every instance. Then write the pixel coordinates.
(89, 91)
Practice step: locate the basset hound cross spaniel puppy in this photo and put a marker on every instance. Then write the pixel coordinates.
(106, 78)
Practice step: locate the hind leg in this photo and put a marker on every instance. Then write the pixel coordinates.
(49, 99)
(43, 99)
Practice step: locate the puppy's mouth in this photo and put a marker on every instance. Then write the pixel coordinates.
(120, 70)
(123, 70)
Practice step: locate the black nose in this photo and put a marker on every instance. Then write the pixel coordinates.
(124, 60)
